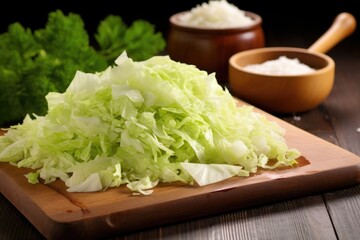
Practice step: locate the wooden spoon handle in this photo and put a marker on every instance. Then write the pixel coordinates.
(343, 25)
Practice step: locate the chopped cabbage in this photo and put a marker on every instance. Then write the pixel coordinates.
(216, 14)
(142, 123)
(205, 174)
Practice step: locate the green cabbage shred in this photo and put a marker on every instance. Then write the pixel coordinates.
(143, 123)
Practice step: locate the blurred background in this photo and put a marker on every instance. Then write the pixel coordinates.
(299, 18)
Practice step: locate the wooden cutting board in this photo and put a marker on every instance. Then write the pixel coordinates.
(58, 214)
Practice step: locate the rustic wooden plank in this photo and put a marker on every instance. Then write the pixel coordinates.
(344, 110)
(13, 225)
(344, 107)
(344, 208)
(304, 218)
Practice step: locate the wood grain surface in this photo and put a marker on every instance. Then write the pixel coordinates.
(58, 214)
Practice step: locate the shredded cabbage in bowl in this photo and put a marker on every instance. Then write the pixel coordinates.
(142, 123)
(216, 14)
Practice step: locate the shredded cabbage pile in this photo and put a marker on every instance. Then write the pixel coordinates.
(142, 123)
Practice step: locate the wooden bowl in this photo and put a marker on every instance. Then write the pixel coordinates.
(282, 93)
(289, 93)
(210, 48)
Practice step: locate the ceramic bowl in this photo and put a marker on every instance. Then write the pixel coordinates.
(281, 93)
(210, 48)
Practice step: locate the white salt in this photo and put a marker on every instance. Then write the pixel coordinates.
(216, 14)
(297, 118)
(280, 66)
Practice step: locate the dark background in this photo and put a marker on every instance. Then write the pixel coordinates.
(302, 18)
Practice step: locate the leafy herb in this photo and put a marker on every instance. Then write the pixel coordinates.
(139, 40)
(33, 63)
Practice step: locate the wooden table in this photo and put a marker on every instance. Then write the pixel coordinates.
(330, 215)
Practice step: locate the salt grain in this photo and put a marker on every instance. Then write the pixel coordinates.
(297, 118)
(281, 66)
(216, 14)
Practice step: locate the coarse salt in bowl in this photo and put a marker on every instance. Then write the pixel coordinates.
(282, 66)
